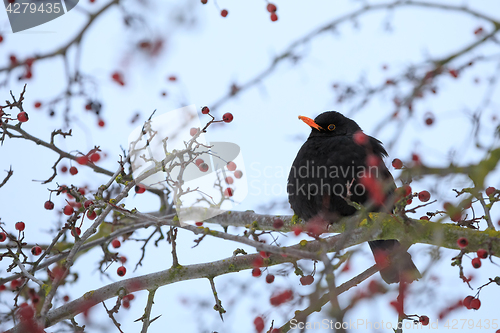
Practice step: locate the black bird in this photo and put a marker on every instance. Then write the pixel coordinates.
(334, 164)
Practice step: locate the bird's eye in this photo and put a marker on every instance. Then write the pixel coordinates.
(331, 127)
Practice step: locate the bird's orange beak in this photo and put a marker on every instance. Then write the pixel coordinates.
(310, 122)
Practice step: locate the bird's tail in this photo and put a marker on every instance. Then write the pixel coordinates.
(394, 262)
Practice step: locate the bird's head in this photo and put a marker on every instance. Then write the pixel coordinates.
(331, 123)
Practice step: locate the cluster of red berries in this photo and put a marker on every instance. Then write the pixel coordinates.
(481, 254)
(91, 157)
(271, 8)
(470, 302)
(126, 300)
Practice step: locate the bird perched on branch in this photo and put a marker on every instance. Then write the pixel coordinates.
(337, 167)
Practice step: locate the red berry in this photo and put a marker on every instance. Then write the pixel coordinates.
(22, 117)
(101, 123)
(121, 271)
(467, 300)
(274, 17)
(259, 324)
(360, 138)
(424, 196)
(231, 166)
(203, 167)
(223, 13)
(95, 157)
(238, 174)
(91, 215)
(82, 160)
(20, 226)
(198, 162)
(475, 304)
(49, 205)
(462, 242)
(264, 254)
(373, 160)
(228, 192)
(482, 253)
(2, 287)
(297, 230)
(172, 78)
(77, 230)
(36, 250)
(64, 169)
(404, 190)
(424, 320)
(227, 117)
(66, 298)
(3, 236)
(271, 8)
(453, 73)
(281, 298)
(270, 278)
(139, 188)
(38, 104)
(68, 210)
(193, 131)
(14, 284)
(306, 280)
(1, 38)
(123, 259)
(204, 2)
(256, 272)
(429, 119)
(258, 262)
(73, 170)
(490, 190)
(118, 78)
(476, 262)
(88, 203)
(116, 243)
(205, 110)
(25, 312)
(397, 164)
(198, 224)
(229, 180)
(278, 223)
(424, 218)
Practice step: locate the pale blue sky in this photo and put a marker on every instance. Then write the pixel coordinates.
(207, 58)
